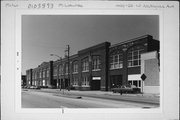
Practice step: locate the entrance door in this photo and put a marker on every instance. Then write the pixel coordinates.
(116, 80)
(64, 83)
(96, 83)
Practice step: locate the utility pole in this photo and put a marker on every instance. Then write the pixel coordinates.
(68, 50)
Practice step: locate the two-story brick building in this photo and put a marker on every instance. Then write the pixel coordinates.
(99, 67)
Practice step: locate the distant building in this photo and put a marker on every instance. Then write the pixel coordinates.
(23, 80)
(100, 67)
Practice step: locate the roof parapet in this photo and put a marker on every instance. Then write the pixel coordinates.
(131, 40)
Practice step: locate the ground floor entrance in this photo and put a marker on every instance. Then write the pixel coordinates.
(63, 83)
(116, 81)
(96, 83)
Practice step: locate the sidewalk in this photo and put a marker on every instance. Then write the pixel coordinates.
(76, 94)
(110, 93)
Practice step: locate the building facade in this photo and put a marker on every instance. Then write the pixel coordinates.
(100, 67)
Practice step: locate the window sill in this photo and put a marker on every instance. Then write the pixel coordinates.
(96, 70)
(85, 86)
(134, 66)
(115, 68)
(75, 73)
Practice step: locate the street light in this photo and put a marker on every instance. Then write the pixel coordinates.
(60, 58)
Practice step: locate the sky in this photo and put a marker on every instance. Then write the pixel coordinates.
(43, 35)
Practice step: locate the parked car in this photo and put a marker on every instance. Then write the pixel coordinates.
(37, 87)
(126, 89)
(34, 87)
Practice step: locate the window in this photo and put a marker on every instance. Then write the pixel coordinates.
(55, 72)
(85, 64)
(35, 75)
(116, 61)
(40, 74)
(96, 63)
(75, 81)
(136, 83)
(47, 73)
(61, 70)
(75, 67)
(66, 70)
(134, 57)
(35, 83)
(85, 81)
(44, 73)
(43, 82)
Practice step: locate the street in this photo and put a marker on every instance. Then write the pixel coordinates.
(75, 99)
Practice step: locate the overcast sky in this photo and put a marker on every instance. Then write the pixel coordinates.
(46, 34)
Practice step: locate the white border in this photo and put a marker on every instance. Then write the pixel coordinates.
(80, 12)
(169, 34)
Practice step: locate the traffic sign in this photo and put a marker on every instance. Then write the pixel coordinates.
(143, 77)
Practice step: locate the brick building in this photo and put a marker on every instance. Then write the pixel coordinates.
(99, 67)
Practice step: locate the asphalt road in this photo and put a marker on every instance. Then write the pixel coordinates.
(42, 99)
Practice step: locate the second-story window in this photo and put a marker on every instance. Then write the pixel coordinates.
(134, 57)
(55, 72)
(66, 69)
(75, 66)
(44, 73)
(35, 75)
(95, 63)
(116, 61)
(61, 70)
(85, 64)
(47, 72)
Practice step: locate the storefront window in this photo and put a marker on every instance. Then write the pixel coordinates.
(136, 83)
